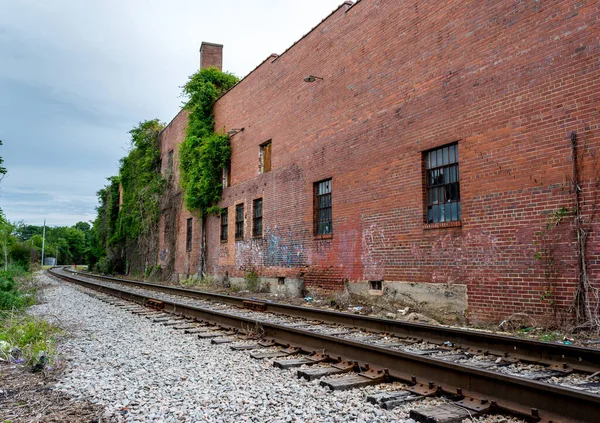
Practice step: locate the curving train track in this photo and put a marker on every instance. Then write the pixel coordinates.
(480, 372)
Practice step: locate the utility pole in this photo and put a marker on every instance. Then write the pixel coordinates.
(43, 242)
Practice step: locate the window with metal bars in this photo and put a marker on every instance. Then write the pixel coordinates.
(442, 184)
(188, 235)
(224, 224)
(323, 216)
(257, 217)
(239, 221)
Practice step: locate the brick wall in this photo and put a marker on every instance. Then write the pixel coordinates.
(509, 81)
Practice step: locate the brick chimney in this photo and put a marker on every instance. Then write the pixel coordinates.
(211, 55)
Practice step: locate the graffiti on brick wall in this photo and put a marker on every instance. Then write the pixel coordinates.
(163, 255)
(248, 253)
(283, 250)
(373, 241)
(275, 249)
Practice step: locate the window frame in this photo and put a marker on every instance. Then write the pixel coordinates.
(189, 234)
(239, 222)
(224, 224)
(256, 219)
(266, 156)
(226, 175)
(441, 183)
(323, 201)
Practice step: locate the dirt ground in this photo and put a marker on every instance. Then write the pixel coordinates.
(27, 397)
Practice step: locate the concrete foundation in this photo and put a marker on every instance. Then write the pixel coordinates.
(450, 298)
(283, 287)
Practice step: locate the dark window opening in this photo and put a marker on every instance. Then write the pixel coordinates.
(280, 281)
(239, 221)
(257, 217)
(188, 235)
(442, 184)
(376, 285)
(227, 175)
(265, 157)
(170, 164)
(323, 216)
(224, 223)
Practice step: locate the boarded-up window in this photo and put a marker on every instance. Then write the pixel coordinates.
(265, 157)
(257, 217)
(323, 215)
(442, 184)
(188, 235)
(239, 221)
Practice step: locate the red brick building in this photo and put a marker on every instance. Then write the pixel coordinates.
(422, 148)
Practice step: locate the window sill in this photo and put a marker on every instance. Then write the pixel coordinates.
(326, 236)
(442, 225)
(223, 241)
(239, 239)
(257, 236)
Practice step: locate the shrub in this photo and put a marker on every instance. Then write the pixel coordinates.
(12, 294)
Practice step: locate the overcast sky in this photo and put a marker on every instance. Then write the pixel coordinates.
(76, 76)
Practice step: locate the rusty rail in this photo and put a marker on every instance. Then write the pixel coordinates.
(552, 354)
(532, 400)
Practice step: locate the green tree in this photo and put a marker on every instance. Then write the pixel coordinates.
(6, 237)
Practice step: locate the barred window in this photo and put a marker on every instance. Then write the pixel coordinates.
(188, 235)
(323, 216)
(257, 217)
(224, 223)
(239, 221)
(442, 184)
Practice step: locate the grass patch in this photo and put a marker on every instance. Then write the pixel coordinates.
(23, 338)
(35, 338)
(17, 289)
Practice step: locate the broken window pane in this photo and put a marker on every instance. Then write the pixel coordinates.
(442, 184)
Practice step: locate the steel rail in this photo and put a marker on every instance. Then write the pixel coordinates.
(535, 401)
(565, 356)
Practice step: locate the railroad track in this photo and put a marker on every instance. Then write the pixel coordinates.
(480, 372)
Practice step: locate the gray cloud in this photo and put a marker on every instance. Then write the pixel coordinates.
(76, 76)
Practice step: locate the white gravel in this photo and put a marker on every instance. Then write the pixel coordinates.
(142, 371)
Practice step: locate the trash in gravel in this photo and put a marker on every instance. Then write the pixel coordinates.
(15, 355)
(40, 362)
(404, 311)
(568, 341)
(309, 299)
(595, 341)
(448, 344)
(358, 308)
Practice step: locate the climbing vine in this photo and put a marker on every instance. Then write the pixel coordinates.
(204, 153)
(125, 230)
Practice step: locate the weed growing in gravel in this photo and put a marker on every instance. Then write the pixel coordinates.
(16, 289)
(31, 335)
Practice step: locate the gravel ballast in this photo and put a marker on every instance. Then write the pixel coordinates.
(141, 371)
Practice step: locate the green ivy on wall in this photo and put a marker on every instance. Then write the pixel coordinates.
(204, 153)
